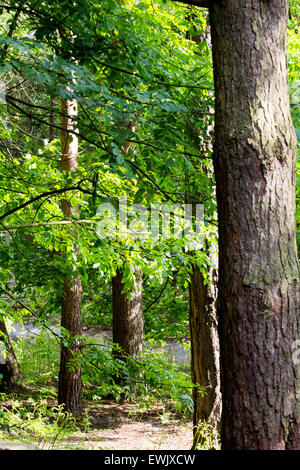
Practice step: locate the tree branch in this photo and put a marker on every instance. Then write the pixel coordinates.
(40, 196)
(158, 297)
(48, 224)
(196, 3)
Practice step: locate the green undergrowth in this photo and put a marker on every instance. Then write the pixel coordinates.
(151, 381)
(33, 420)
(27, 418)
(151, 377)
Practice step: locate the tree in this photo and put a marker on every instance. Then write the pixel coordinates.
(70, 383)
(127, 306)
(254, 162)
(128, 318)
(205, 350)
(9, 368)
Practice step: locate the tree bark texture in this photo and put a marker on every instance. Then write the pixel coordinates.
(128, 318)
(205, 360)
(204, 351)
(254, 161)
(70, 383)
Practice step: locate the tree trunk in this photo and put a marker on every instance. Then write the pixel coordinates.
(51, 121)
(70, 384)
(128, 318)
(205, 360)
(9, 368)
(204, 351)
(254, 160)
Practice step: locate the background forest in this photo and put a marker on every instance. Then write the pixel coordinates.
(101, 101)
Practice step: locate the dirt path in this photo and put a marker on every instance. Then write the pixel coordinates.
(125, 427)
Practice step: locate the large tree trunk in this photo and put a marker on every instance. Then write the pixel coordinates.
(128, 318)
(70, 383)
(204, 352)
(9, 368)
(254, 159)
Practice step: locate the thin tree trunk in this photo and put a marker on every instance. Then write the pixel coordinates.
(70, 383)
(9, 367)
(204, 351)
(128, 316)
(51, 120)
(254, 160)
(205, 354)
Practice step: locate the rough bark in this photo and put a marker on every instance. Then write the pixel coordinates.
(128, 318)
(205, 360)
(254, 160)
(204, 351)
(70, 383)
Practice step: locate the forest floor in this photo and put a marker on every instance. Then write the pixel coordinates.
(124, 427)
(109, 425)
